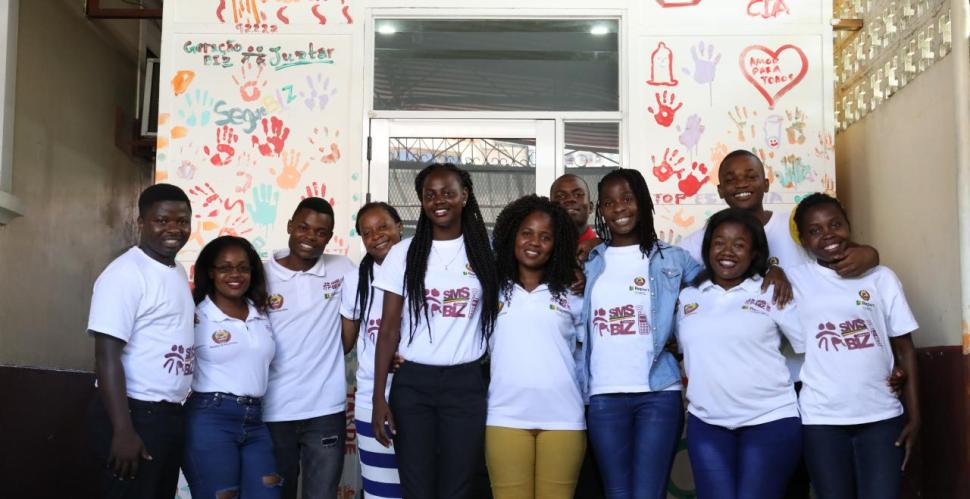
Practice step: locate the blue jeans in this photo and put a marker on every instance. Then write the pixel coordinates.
(855, 461)
(634, 437)
(751, 462)
(227, 448)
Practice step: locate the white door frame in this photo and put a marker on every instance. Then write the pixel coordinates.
(381, 130)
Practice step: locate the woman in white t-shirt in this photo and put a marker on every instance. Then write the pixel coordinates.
(379, 226)
(744, 437)
(535, 436)
(857, 435)
(440, 290)
(227, 444)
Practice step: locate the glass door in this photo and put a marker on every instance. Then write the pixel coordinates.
(507, 159)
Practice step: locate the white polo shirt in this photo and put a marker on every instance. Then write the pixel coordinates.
(231, 355)
(731, 341)
(452, 334)
(534, 383)
(847, 325)
(306, 378)
(785, 252)
(149, 306)
(366, 337)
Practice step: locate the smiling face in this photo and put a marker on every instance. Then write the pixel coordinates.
(231, 273)
(534, 241)
(825, 232)
(443, 199)
(730, 254)
(742, 183)
(165, 228)
(618, 205)
(570, 192)
(379, 232)
(309, 231)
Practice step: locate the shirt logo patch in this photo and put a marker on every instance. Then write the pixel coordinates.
(623, 320)
(332, 288)
(639, 281)
(773, 261)
(275, 302)
(221, 336)
(451, 303)
(179, 360)
(468, 270)
(638, 288)
(864, 295)
(373, 326)
(690, 308)
(855, 334)
(864, 302)
(756, 305)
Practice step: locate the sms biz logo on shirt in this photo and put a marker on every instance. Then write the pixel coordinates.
(853, 334)
(451, 303)
(623, 320)
(755, 305)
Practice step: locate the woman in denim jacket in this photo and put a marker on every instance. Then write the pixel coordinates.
(633, 385)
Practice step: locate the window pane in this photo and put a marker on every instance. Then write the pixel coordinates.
(496, 65)
(502, 170)
(592, 150)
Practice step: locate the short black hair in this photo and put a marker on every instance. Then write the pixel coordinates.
(759, 266)
(571, 175)
(318, 205)
(560, 270)
(812, 201)
(159, 193)
(203, 285)
(740, 153)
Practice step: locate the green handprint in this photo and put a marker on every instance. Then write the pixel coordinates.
(265, 202)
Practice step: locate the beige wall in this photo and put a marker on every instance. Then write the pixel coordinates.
(897, 175)
(79, 189)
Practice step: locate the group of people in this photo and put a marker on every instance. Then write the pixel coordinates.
(534, 353)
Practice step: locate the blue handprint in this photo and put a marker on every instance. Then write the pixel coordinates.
(705, 66)
(265, 202)
(197, 111)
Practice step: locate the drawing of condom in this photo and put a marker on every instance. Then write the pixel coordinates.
(662, 66)
(773, 131)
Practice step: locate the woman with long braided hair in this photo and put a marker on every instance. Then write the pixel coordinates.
(440, 289)
(379, 226)
(632, 282)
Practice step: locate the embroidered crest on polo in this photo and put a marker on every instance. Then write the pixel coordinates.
(221, 337)
(690, 308)
(864, 295)
(275, 302)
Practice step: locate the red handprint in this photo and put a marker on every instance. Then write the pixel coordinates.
(328, 148)
(690, 184)
(225, 138)
(236, 226)
(664, 115)
(276, 135)
(207, 195)
(665, 169)
(317, 190)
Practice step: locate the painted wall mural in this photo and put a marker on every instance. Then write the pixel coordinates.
(255, 111)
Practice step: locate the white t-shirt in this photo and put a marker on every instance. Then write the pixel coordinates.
(452, 302)
(621, 339)
(366, 336)
(847, 325)
(732, 353)
(785, 253)
(149, 306)
(232, 356)
(306, 378)
(534, 383)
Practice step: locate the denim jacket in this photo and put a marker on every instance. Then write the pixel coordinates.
(671, 268)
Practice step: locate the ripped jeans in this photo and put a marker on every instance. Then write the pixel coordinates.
(311, 451)
(228, 451)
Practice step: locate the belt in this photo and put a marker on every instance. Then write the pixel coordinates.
(239, 399)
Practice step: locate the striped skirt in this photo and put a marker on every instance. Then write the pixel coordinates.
(378, 465)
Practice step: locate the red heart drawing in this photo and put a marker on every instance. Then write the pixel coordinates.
(767, 73)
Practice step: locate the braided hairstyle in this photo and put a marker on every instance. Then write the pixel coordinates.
(644, 228)
(366, 270)
(560, 269)
(477, 249)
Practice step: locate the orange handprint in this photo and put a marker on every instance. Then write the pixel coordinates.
(291, 171)
(249, 89)
(327, 146)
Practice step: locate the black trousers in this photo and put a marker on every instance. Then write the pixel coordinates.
(161, 426)
(440, 442)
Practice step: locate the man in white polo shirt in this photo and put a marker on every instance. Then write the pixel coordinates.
(142, 323)
(307, 393)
